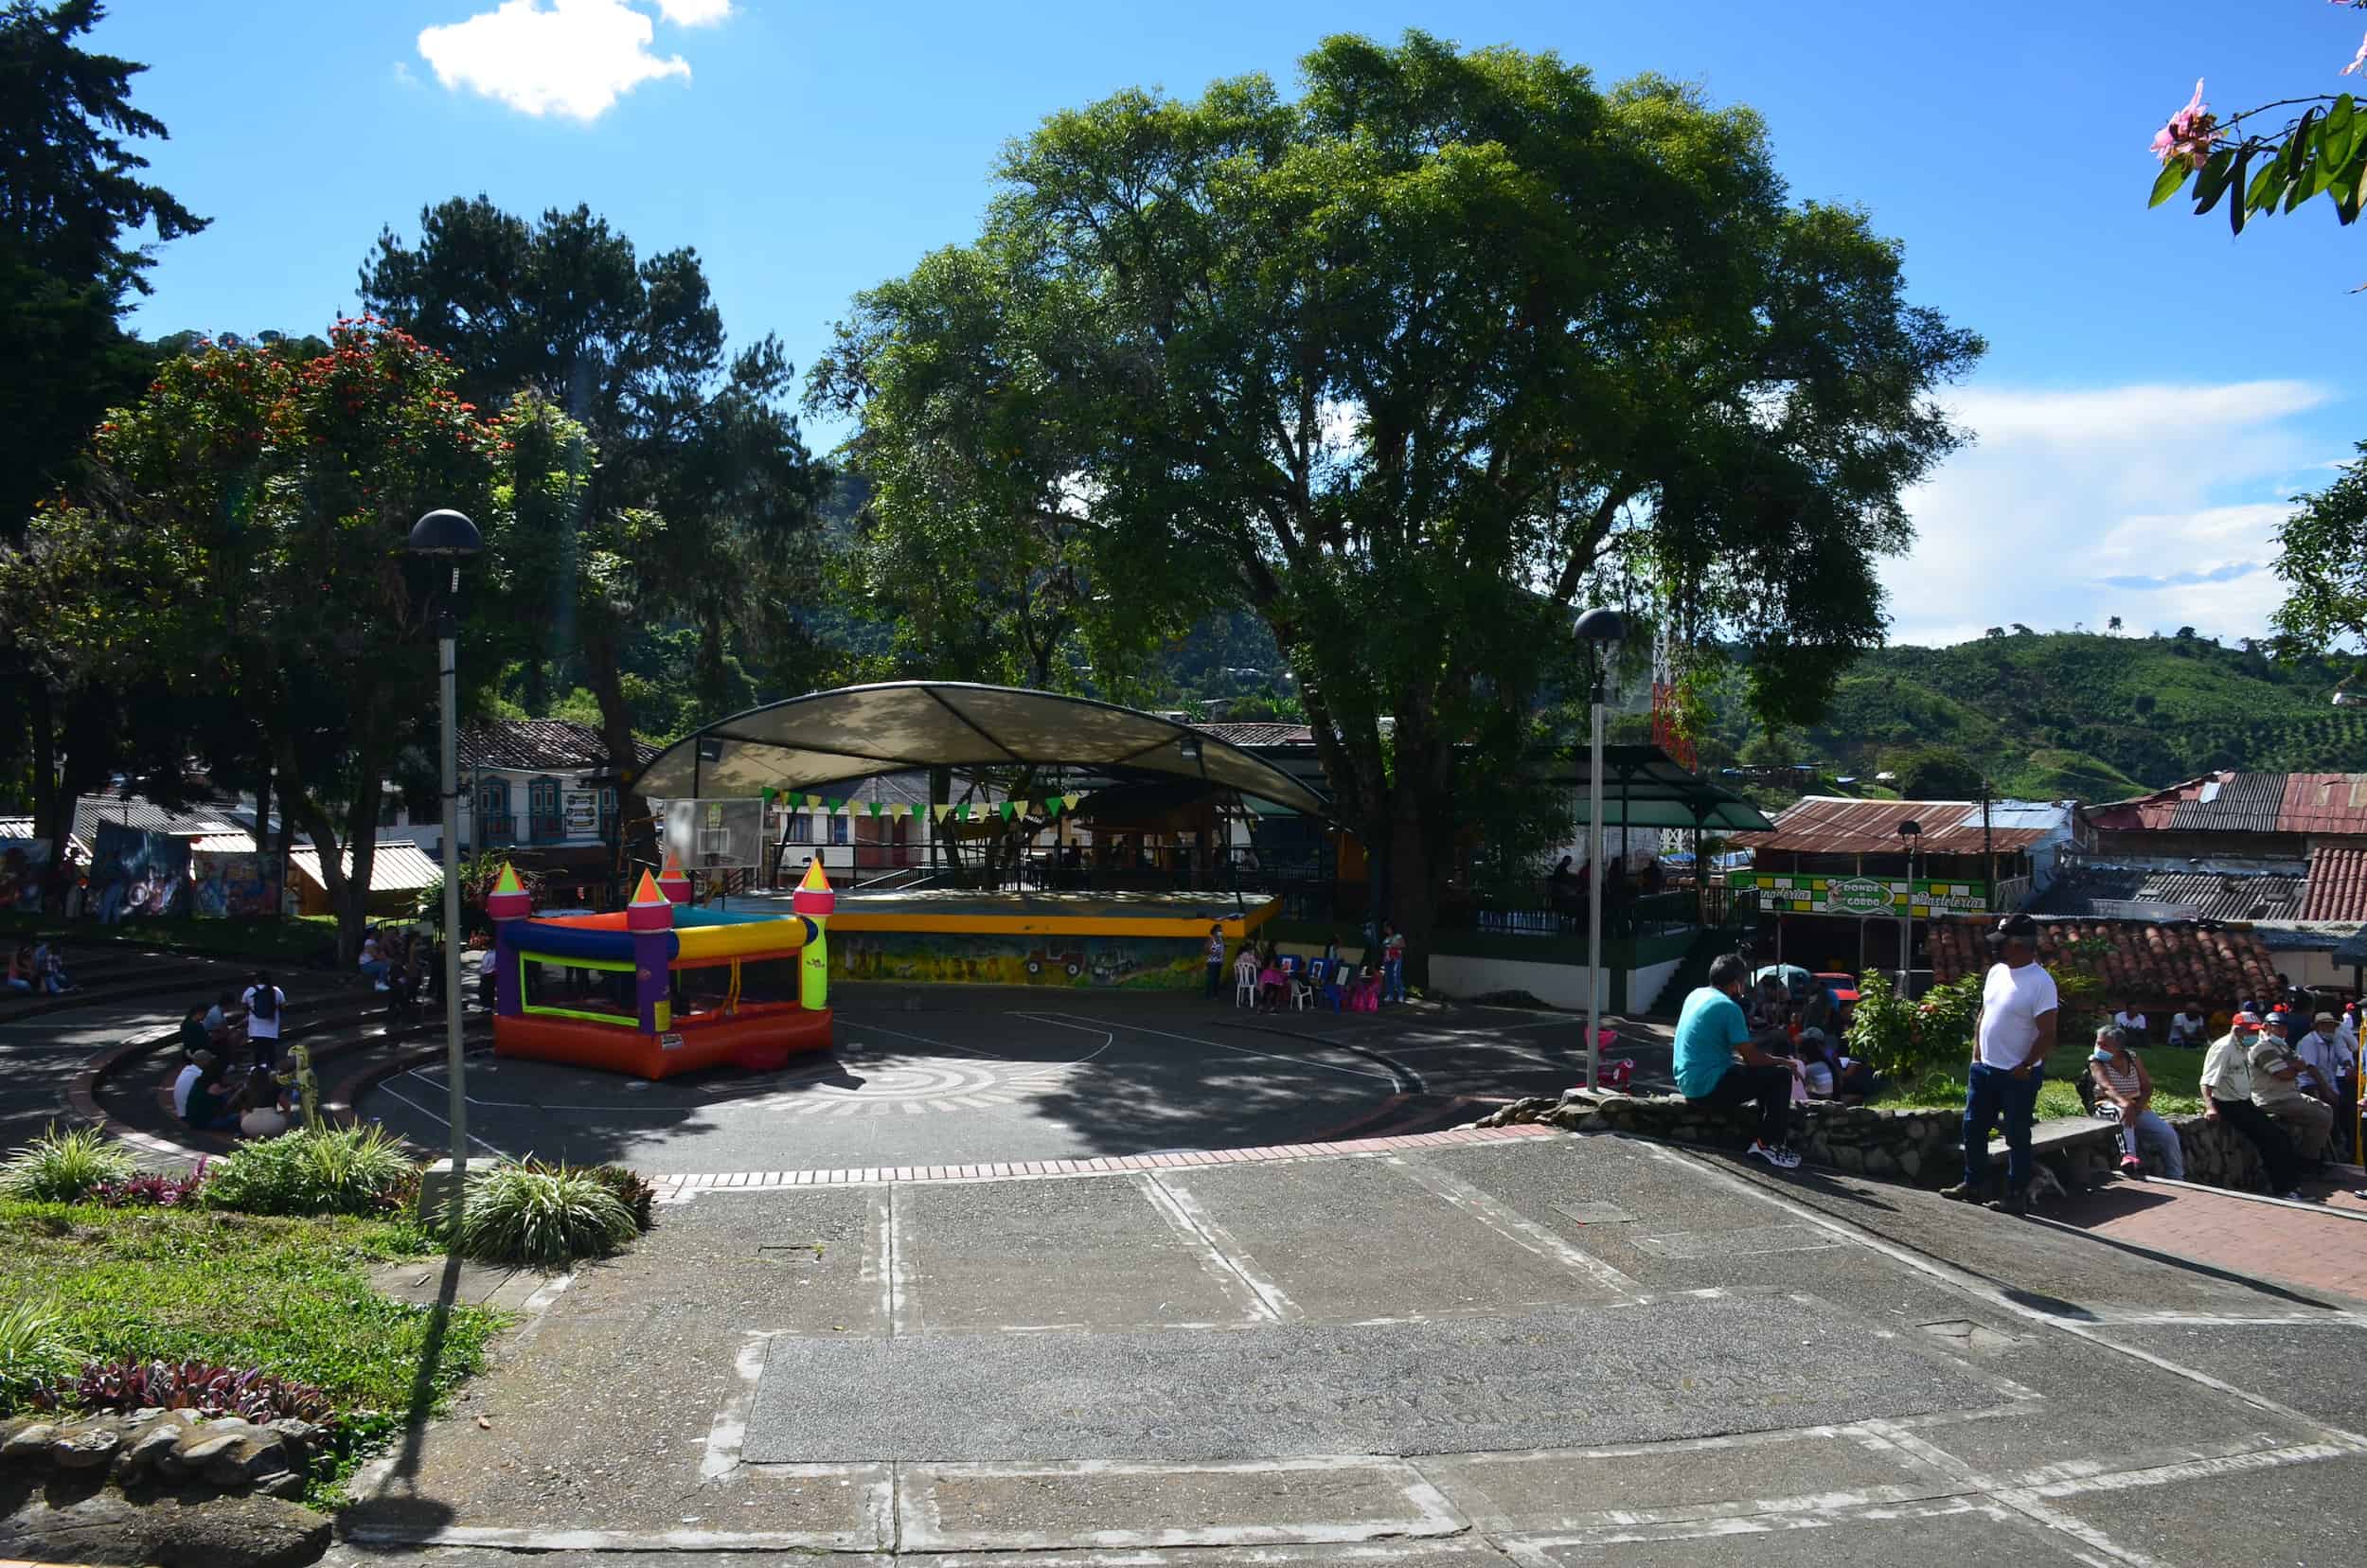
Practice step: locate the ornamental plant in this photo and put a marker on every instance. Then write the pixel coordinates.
(248, 1392)
(1906, 1039)
(543, 1215)
(2272, 158)
(65, 1167)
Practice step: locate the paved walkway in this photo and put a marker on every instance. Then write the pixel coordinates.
(2293, 1244)
(1535, 1349)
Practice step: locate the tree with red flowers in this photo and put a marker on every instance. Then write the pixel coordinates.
(260, 502)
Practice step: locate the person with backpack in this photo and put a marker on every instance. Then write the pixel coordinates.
(265, 1005)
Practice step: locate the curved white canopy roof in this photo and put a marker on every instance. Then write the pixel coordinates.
(854, 731)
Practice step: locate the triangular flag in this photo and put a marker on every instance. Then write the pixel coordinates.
(1004, 810)
(834, 807)
(876, 808)
(938, 811)
(1070, 801)
(1021, 806)
(767, 793)
(1052, 806)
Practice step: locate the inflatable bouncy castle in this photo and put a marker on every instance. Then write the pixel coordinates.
(662, 986)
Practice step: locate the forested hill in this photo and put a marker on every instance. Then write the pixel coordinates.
(2092, 717)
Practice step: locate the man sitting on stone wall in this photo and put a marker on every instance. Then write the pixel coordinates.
(1719, 1065)
(2280, 1087)
(2227, 1100)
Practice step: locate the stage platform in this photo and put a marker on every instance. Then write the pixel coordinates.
(1131, 941)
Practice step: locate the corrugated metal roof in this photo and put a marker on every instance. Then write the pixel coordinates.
(1837, 825)
(2239, 803)
(1248, 734)
(139, 811)
(225, 844)
(2324, 803)
(399, 867)
(2264, 896)
(553, 744)
(2338, 886)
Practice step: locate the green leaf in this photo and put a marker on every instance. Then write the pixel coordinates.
(2334, 138)
(2236, 209)
(2297, 147)
(2166, 184)
(2263, 191)
(2213, 180)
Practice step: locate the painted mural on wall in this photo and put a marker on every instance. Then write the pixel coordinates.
(21, 862)
(134, 872)
(1107, 963)
(238, 887)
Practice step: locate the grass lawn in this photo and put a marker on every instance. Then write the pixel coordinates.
(288, 1295)
(2177, 1084)
(293, 940)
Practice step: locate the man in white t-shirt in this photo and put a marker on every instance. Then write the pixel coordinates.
(2130, 1021)
(2190, 1026)
(2019, 1012)
(266, 1009)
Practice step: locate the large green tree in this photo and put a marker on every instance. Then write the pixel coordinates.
(2321, 555)
(1414, 364)
(702, 473)
(74, 211)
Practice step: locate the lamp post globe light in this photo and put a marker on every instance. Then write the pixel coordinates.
(1909, 831)
(446, 539)
(1600, 630)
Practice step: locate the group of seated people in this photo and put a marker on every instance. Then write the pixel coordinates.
(1804, 1030)
(404, 964)
(213, 1092)
(37, 968)
(1271, 976)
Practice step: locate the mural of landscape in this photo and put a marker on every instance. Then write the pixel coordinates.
(1109, 963)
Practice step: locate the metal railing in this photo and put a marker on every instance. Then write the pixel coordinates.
(546, 827)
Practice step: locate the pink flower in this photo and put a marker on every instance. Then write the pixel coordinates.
(2191, 131)
(2357, 59)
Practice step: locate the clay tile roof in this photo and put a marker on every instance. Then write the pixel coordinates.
(551, 743)
(2323, 803)
(2135, 958)
(2338, 886)
(1837, 825)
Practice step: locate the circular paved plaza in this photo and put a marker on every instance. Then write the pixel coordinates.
(924, 1077)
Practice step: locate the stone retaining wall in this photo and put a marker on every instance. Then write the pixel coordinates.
(159, 1485)
(1920, 1147)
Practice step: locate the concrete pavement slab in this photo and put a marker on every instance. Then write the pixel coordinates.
(1672, 1369)
(2309, 1367)
(1356, 1239)
(1104, 1504)
(1962, 1535)
(1814, 1472)
(2306, 1515)
(1093, 1253)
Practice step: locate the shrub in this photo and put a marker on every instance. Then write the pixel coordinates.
(151, 1191)
(1904, 1040)
(251, 1393)
(33, 1353)
(329, 1170)
(543, 1215)
(65, 1167)
(631, 1189)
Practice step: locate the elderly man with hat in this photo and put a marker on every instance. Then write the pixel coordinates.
(2019, 1013)
(2281, 1085)
(2227, 1100)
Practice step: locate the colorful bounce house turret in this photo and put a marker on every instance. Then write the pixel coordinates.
(661, 986)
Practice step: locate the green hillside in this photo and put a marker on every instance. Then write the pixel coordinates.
(2065, 714)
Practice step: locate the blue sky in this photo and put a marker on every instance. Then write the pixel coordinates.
(2155, 386)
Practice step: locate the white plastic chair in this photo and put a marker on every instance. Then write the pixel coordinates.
(1302, 983)
(1245, 981)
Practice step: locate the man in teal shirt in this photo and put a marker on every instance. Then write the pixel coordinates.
(1717, 1064)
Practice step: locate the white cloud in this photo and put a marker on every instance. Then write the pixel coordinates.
(540, 57)
(2158, 504)
(694, 13)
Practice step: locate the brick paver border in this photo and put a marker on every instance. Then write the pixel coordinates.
(681, 1185)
